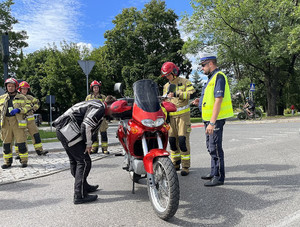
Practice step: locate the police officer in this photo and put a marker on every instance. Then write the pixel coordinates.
(180, 124)
(33, 130)
(77, 129)
(13, 108)
(95, 89)
(215, 105)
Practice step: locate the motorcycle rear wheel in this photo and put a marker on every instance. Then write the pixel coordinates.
(164, 195)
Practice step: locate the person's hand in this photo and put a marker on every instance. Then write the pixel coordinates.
(88, 150)
(195, 102)
(15, 111)
(171, 95)
(210, 129)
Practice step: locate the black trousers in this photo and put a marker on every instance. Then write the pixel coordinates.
(215, 149)
(80, 164)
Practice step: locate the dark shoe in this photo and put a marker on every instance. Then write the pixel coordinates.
(41, 152)
(207, 177)
(85, 199)
(5, 166)
(92, 188)
(24, 165)
(214, 182)
(104, 150)
(17, 157)
(185, 171)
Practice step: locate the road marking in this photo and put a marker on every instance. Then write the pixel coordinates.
(287, 220)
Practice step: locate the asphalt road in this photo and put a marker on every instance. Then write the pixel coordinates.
(261, 187)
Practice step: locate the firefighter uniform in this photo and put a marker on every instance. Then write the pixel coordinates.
(31, 126)
(103, 128)
(180, 124)
(13, 127)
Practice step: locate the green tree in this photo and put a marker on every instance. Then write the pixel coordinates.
(142, 41)
(197, 84)
(50, 71)
(259, 35)
(16, 39)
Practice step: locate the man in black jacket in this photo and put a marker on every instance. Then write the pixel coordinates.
(77, 129)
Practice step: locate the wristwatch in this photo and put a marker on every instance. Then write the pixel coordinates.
(212, 124)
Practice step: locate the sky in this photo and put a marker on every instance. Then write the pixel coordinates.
(78, 21)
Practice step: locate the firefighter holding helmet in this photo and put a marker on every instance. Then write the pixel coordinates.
(95, 94)
(180, 124)
(13, 107)
(33, 130)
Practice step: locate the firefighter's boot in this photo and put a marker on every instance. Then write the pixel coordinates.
(185, 171)
(104, 150)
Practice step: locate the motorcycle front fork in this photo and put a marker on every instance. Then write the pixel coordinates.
(145, 150)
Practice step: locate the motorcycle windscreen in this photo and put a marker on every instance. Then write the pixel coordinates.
(146, 95)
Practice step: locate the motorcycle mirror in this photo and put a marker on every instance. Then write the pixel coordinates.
(172, 88)
(119, 88)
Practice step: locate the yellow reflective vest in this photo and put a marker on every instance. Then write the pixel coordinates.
(208, 102)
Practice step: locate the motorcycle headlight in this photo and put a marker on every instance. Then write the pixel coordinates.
(150, 123)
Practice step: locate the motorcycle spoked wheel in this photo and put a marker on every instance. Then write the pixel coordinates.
(164, 195)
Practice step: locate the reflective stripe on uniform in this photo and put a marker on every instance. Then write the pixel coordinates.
(38, 145)
(185, 157)
(30, 118)
(7, 155)
(181, 110)
(23, 155)
(104, 144)
(177, 155)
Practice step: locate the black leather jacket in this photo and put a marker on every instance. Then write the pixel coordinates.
(81, 122)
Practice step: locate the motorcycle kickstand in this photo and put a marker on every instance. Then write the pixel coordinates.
(132, 188)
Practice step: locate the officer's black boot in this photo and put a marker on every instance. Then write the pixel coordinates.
(92, 188)
(5, 166)
(85, 199)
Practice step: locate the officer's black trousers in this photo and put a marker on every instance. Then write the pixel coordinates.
(215, 149)
(80, 164)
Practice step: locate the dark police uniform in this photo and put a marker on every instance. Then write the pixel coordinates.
(214, 141)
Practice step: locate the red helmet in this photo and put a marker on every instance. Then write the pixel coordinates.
(95, 83)
(11, 81)
(24, 84)
(169, 67)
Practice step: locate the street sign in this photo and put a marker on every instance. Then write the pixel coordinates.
(87, 67)
(252, 87)
(50, 99)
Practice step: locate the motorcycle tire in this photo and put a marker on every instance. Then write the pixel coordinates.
(164, 195)
(242, 116)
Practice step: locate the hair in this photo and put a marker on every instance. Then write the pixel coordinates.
(214, 61)
(110, 99)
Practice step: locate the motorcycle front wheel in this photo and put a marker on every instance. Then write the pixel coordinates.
(164, 194)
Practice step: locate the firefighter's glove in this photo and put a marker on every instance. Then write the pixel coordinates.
(15, 111)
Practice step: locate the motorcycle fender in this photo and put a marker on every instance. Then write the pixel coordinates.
(148, 159)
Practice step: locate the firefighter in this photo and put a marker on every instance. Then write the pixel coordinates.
(33, 130)
(95, 94)
(13, 107)
(180, 124)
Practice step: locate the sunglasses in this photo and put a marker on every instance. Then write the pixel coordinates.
(204, 64)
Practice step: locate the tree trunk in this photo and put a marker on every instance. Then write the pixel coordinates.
(270, 84)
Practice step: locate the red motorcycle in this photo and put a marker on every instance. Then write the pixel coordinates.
(143, 134)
